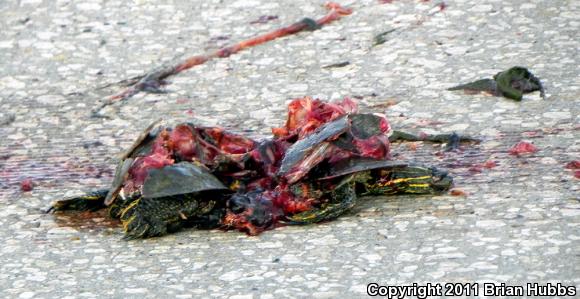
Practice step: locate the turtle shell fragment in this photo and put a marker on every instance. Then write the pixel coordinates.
(350, 136)
(121, 174)
(180, 178)
(142, 144)
(350, 166)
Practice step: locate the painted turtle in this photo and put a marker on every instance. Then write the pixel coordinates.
(313, 169)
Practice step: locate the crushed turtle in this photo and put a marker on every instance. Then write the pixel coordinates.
(314, 169)
(512, 84)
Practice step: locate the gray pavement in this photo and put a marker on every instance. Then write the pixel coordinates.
(520, 221)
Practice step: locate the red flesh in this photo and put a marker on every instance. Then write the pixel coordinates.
(159, 157)
(26, 185)
(305, 115)
(523, 147)
(489, 164)
(458, 192)
(573, 164)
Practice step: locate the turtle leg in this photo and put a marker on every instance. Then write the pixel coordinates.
(453, 140)
(341, 200)
(151, 217)
(91, 201)
(139, 221)
(210, 220)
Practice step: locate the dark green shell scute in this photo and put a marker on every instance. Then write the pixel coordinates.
(180, 178)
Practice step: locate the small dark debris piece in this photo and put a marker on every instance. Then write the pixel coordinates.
(6, 119)
(219, 38)
(264, 19)
(453, 143)
(511, 84)
(92, 144)
(24, 20)
(336, 65)
(311, 24)
(381, 38)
